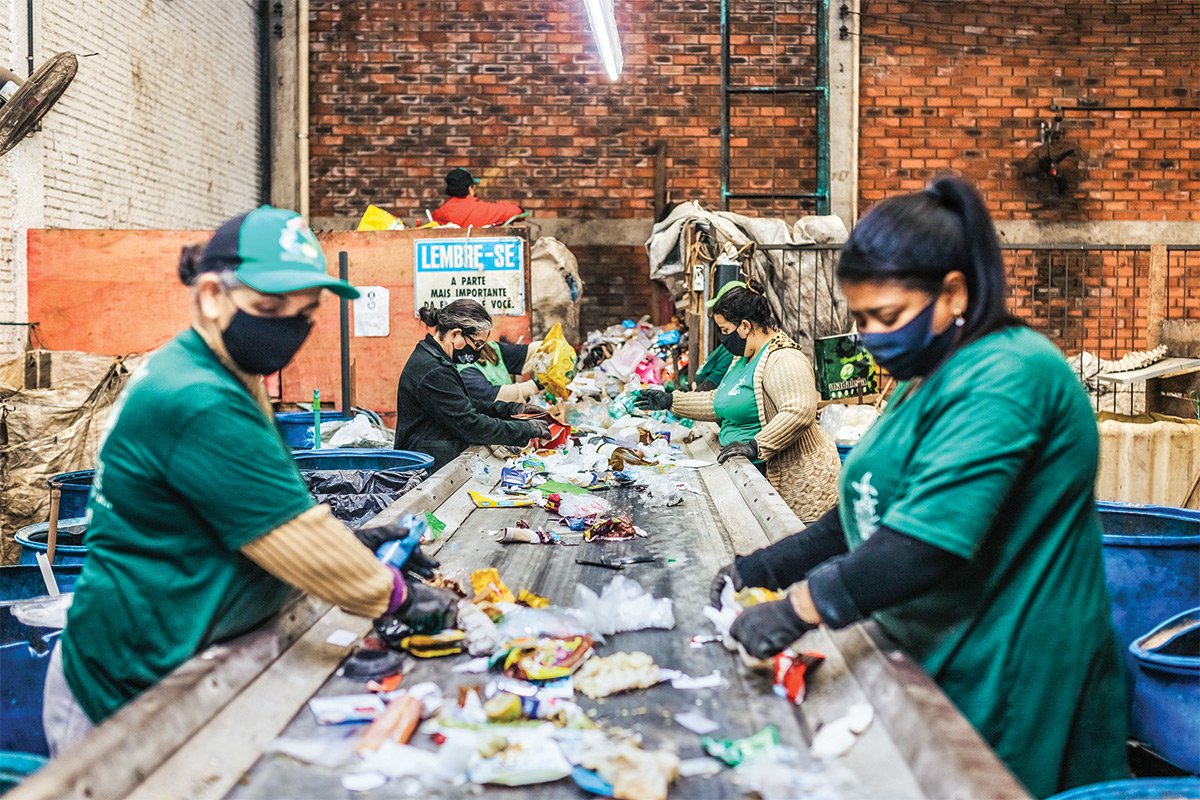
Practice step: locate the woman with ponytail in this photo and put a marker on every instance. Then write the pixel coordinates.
(766, 403)
(966, 524)
(435, 414)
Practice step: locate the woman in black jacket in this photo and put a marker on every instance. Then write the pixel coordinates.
(434, 413)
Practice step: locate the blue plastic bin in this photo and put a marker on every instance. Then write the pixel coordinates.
(24, 658)
(69, 547)
(16, 767)
(75, 488)
(1136, 789)
(296, 427)
(362, 458)
(1166, 690)
(1152, 561)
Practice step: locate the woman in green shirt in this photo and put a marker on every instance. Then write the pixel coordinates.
(967, 523)
(766, 404)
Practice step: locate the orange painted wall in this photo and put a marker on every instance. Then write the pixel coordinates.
(117, 292)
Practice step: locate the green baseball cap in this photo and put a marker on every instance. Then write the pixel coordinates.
(725, 290)
(272, 250)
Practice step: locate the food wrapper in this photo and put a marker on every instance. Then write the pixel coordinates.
(557, 361)
(528, 598)
(482, 500)
(735, 751)
(376, 219)
(754, 595)
(791, 672)
(546, 659)
(620, 672)
(489, 588)
(446, 643)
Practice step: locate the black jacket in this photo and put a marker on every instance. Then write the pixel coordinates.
(434, 414)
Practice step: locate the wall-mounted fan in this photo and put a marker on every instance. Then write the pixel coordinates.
(23, 102)
(1052, 171)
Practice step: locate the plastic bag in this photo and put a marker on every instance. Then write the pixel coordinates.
(661, 492)
(625, 361)
(847, 423)
(559, 369)
(355, 496)
(360, 432)
(623, 605)
(376, 219)
(523, 622)
(44, 612)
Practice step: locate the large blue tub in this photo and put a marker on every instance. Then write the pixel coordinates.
(16, 767)
(296, 427)
(1152, 561)
(24, 657)
(1166, 690)
(1136, 789)
(362, 459)
(75, 488)
(68, 549)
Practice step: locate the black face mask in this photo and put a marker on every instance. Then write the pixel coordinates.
(263, 345)
(464, 355)
(734, 342)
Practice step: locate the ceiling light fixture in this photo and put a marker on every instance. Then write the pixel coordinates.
(604, 30)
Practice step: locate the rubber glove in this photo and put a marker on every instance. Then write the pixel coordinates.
(747, 448)
(425, 609)
(376, 536)
(767, 628)
(531, 408)
(718, 584)
(538, 429)
(653, 400)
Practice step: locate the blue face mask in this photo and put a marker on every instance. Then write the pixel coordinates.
(913, 349)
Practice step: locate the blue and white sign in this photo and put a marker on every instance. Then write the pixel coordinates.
(490, 270)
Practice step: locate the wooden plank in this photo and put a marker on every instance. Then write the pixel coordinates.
(1167, 368)
(114, 759)
(1156, 304)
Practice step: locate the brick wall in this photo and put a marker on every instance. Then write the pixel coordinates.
(161, 129)
(962, 86)
(11, 289)
(513, 89)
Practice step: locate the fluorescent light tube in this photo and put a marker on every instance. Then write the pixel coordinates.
(604, 30)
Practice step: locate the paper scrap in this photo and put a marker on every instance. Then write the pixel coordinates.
(473, 667)
(714, 680)
(342, 638)
(696, 722)
(699, 767)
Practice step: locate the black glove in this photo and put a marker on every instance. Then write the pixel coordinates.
(530, 408)
(747, 448)
(653, 400)
(538, 428)
(376, 536)
(705, 386)
(728, 571)
(425, 610)
(768, 628)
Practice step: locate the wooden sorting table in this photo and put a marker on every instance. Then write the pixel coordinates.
(203, 731)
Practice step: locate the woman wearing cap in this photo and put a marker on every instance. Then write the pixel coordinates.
(766, 404)
(967, 522)
(490, 376)
(434, 413)
(199, 522)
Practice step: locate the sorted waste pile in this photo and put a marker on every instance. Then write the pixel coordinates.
(531, 673)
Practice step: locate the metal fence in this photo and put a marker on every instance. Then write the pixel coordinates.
(1087, 299)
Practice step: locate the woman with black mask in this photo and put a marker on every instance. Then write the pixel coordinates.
(967, 524)
(434, 413)
(766, 404)
(200, 524)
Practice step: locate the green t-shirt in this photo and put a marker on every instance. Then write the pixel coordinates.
(190, 470)
(715, 366)
(734, 402)
(994, 459)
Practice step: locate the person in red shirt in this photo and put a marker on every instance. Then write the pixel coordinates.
(465, 209)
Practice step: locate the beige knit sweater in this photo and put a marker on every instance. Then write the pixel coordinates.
(802, 460)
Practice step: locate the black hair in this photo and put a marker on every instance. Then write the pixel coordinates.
(917, 239)
(467, 315)
(189, 263)
(750, 303)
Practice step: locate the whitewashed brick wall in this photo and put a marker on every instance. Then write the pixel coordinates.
(159, 130)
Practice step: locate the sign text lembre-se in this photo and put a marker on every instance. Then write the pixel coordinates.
(489, 270)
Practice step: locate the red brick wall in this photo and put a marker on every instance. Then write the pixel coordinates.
(962, 86)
